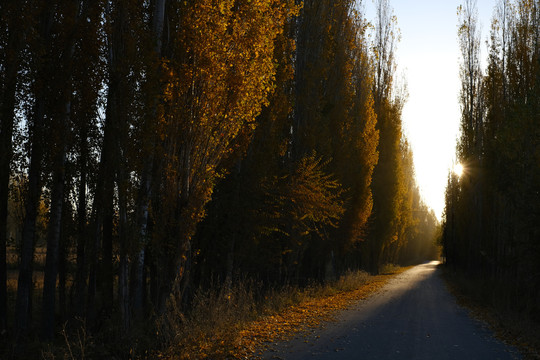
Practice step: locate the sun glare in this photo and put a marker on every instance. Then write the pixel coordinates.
(458, 170)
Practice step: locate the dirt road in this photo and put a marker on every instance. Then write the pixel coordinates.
(412, 317)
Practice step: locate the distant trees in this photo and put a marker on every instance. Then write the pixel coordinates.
(470, 145)
(492, 212)
(310, 161)
(332, 117)
(167, 143)
(395, 215)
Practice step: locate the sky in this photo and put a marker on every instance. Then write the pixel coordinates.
(428, 60)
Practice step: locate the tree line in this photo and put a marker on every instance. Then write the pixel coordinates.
(160, 146)
(492, 220)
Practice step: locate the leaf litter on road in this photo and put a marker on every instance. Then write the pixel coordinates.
(254, 338)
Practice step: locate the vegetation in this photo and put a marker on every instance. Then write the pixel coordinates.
(153, 150)
(512, 326)
(240, 323)
(492, 224)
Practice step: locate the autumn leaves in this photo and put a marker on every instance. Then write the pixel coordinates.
(174, 142)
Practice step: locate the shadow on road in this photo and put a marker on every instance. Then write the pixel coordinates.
(412, 317)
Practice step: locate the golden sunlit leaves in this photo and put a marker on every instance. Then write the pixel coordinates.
(317, 194)
(305, 201)
(219, 76)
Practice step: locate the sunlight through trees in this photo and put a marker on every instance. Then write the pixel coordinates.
(492, 226)
(163, 147)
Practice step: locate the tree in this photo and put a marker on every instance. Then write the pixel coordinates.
(76, 11)
(11, 41)
(492, 209)
(355, 136)
(41, 49)
(387, 176)
(89, 70)
(239, 233)
(148, 145)
(216, 81)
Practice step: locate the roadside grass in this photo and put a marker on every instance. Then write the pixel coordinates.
(487, 302)
(32, 346)
(237, 323)
(224, 322)
(388, 269)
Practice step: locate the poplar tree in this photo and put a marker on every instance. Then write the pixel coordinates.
(276, 123)
(387, 176)
(42, 72)
(491, 228)
(11, 41)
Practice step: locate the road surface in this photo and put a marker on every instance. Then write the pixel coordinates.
(412, 317)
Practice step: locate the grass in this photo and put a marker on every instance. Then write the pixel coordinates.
(236, 324)
(228, 322)
(33, 346)
(485, 302)
(388, 269)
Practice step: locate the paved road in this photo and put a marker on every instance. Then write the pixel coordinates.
(412, 317)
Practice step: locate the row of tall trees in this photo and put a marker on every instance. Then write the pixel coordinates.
(154, 146)
(328, 184)
(492, 220)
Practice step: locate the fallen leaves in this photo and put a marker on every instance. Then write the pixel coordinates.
(309, 314)
(513, 328)
(223, 329)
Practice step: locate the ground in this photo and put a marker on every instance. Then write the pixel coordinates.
(412, 317)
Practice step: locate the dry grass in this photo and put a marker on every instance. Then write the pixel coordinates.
(512, 327)
(352, 280)
(12, 258)
(12, 263)
(233, 325)
(388, 269)
(210, 327)
(234, 322)
(34, 347)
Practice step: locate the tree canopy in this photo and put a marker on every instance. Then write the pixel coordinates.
(152, 148)
(491, 227)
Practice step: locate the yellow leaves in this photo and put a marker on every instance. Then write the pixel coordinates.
(224, 75)
(223, 7)
(309, 313)
(317, 194)
(302, 203)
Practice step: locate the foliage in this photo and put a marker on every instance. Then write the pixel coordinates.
(491, 223)
(308, 198)
(236, 323)
(398, 212)
(158, 147)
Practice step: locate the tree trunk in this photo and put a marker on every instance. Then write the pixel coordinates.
(102, 200)
(24, 284)
(53, 241)
(80, 275)
(105, 271)
(123, 271)
(146, 179)
(104, 197)
(6, 151)
(57, 195)
(62, 260)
